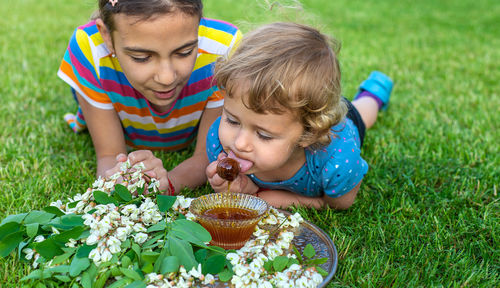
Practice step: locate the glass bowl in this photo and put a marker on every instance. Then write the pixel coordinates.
(230, 218)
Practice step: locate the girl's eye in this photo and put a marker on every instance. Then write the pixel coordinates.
(185, 54)
(264, 137)
(140, 59)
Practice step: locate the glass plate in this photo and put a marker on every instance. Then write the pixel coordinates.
(311, 234)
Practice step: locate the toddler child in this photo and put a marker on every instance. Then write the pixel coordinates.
(297, 140)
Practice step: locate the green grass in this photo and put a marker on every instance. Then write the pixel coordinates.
(428, 211)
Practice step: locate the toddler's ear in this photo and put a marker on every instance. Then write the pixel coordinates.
(105, 33)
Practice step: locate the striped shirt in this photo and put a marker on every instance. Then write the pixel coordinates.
(89, 68)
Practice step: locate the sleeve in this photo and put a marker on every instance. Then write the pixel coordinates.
(79, 69)
(223, 41)
(214, 147)
(343, 172)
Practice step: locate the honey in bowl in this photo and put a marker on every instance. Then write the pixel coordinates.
(230, 218)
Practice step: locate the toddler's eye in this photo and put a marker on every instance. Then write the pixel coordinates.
(231, 121)
(264, 136)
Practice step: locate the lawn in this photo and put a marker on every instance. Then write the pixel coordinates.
(428, 211)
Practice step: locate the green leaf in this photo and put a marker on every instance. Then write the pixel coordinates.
(148, 268)
(36, 274)
(8, 228)
(32, 229)
(317, 261)
(101, 281)
(72, 220)
(201, 255)
(309, 251)
(120, 283)
(279, 263)
(84, 250)
(73, 204)
(126, 261)
(268, 265)
(322, 271)
(137, 250)
(225, 275)
(170, 264)
(136, 284)
(86, 281)
(165, 202)
(78, 265)
(292, 261)
(49, 248)
(214, 264)
(163, 254)
(183, 250)
(73, 233)
(61, 258)
(10, 243)
(123, 192)
(62, 278)
(40, 217)
(160, 226)
(190, 231)
(150, 256)
(17, 218)
(103, 198)
(131, 274)
(54, 210)
(297, 253)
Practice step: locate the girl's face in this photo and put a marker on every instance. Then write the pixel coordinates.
(157, 55)
(266, 145)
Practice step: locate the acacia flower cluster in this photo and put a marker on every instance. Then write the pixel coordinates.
(110, 225)
(248, 262)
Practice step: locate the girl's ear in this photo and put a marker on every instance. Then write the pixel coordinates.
(106, 35)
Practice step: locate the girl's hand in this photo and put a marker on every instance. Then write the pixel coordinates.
(242, 183)
(153, 166)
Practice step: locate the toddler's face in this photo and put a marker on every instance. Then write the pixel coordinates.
(157, 55)
(265, 144)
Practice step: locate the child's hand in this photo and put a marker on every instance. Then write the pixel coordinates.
(153, 166)
(242, 184)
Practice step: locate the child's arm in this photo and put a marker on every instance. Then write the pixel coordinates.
(189, 173)
(285, 199)
(107, 135)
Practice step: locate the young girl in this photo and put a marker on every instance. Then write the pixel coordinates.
(284, 120)
(142, 75)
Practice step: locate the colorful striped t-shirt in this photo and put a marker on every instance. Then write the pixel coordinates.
(89, 68)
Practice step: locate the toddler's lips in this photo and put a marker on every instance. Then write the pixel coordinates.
(164, 94)
(245, 165)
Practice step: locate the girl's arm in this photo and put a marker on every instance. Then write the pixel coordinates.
(107, 135)
(191, 172)
(285, 199)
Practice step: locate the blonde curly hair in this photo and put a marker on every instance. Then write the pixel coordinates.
(288, 67)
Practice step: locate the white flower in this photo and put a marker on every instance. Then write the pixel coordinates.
(140, 238)
(233, 258)
(71, 243)
(125, 166)
(92, 239)
(121, 233)
(95, 255)
(39, 238)
(106, 255)
(57, 204)
(98, 183)
(35, 262)
(54, 230)
(138, 227)
(29, 253)
(209, 279)
(113, 244)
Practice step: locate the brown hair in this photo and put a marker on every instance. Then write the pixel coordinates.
(145, 9)
(288, 67)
